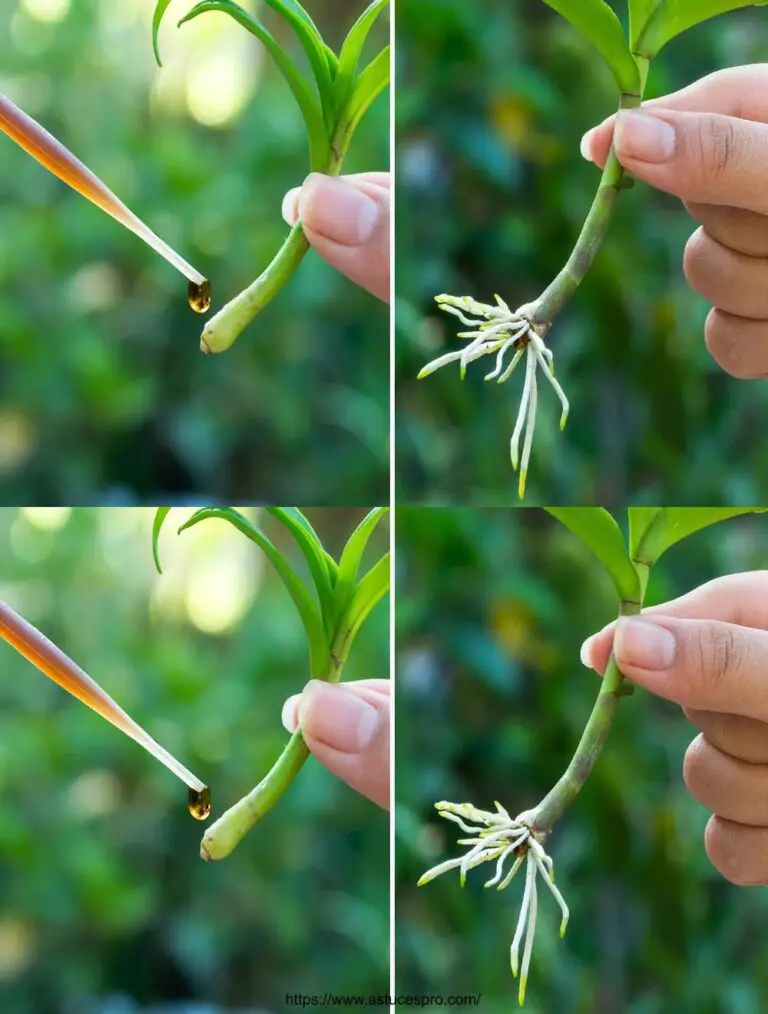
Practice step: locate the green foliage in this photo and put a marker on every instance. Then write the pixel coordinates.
(598, 23)
(105, 396)
(106, 904)
(493, 605)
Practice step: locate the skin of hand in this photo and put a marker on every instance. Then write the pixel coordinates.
(708, 144)
(708, 652)
(346, 726)
(346, 219)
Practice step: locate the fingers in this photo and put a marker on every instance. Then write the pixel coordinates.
(706, 665)
(738, 852)
(729, 787)
(741, 92)
(346, 219)
(735, 228)
(346, 726)
(737, 344)
(743, 738)
(741, 599)
(731, 281)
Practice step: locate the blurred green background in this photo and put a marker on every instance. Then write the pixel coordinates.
(105, 905)
(493, 606)
(493, 98)
(104, 394)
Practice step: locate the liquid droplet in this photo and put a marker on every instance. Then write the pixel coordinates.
(200, 803)
(200, 296)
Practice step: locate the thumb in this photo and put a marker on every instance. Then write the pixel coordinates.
(346, 219)
(346, 726)
(705, 665)
(708, 158)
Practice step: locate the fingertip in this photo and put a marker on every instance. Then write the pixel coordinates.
(290, 208)
(290, 714)
(586, 146)
(586, 653)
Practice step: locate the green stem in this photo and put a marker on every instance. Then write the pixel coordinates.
(558, 294)
(223, 329)
(557, 801)
(227, 832)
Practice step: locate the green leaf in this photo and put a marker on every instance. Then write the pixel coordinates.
(672, 524)
(351, 557)
(369, 592)
(639, 13)
(308, 103)
(160, 9)
(310, 615)
(369, 85)
(665, 19)
(640, 519)
(598, 529)
(598, 23)
(313, 45)
(351, 51)
(314, 554)
(160, 515)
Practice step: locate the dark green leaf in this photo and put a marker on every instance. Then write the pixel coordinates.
(160, 9)
(314, 554)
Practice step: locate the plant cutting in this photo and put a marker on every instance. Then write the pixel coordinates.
(512, 843)
(333, 608)
(516, 336)
(333, 100)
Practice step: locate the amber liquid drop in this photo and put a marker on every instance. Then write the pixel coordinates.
(200, 296)
(200, 803)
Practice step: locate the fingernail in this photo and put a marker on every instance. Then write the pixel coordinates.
(338, 717)
(644, 137)
(586, 653)
(644, 644)
(586, 147)
(338, 210)
(290, 209)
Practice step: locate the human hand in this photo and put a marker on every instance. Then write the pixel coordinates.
(346, 219)
(346, 726)
(708, 144)
(708, 651)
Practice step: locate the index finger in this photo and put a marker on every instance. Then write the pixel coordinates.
(741, 599)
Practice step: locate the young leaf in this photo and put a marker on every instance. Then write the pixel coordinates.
(313, 552)
(351, 51)
(371, 83)
(349, 564)
(666, 19)
(672, 524)
(160, 515)
(639, 13)
(373, 587)
(598, 23)
(160, 9)
(598, 529)
(310, 108)
(310, 615)
(313, 45)
(640, 519)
